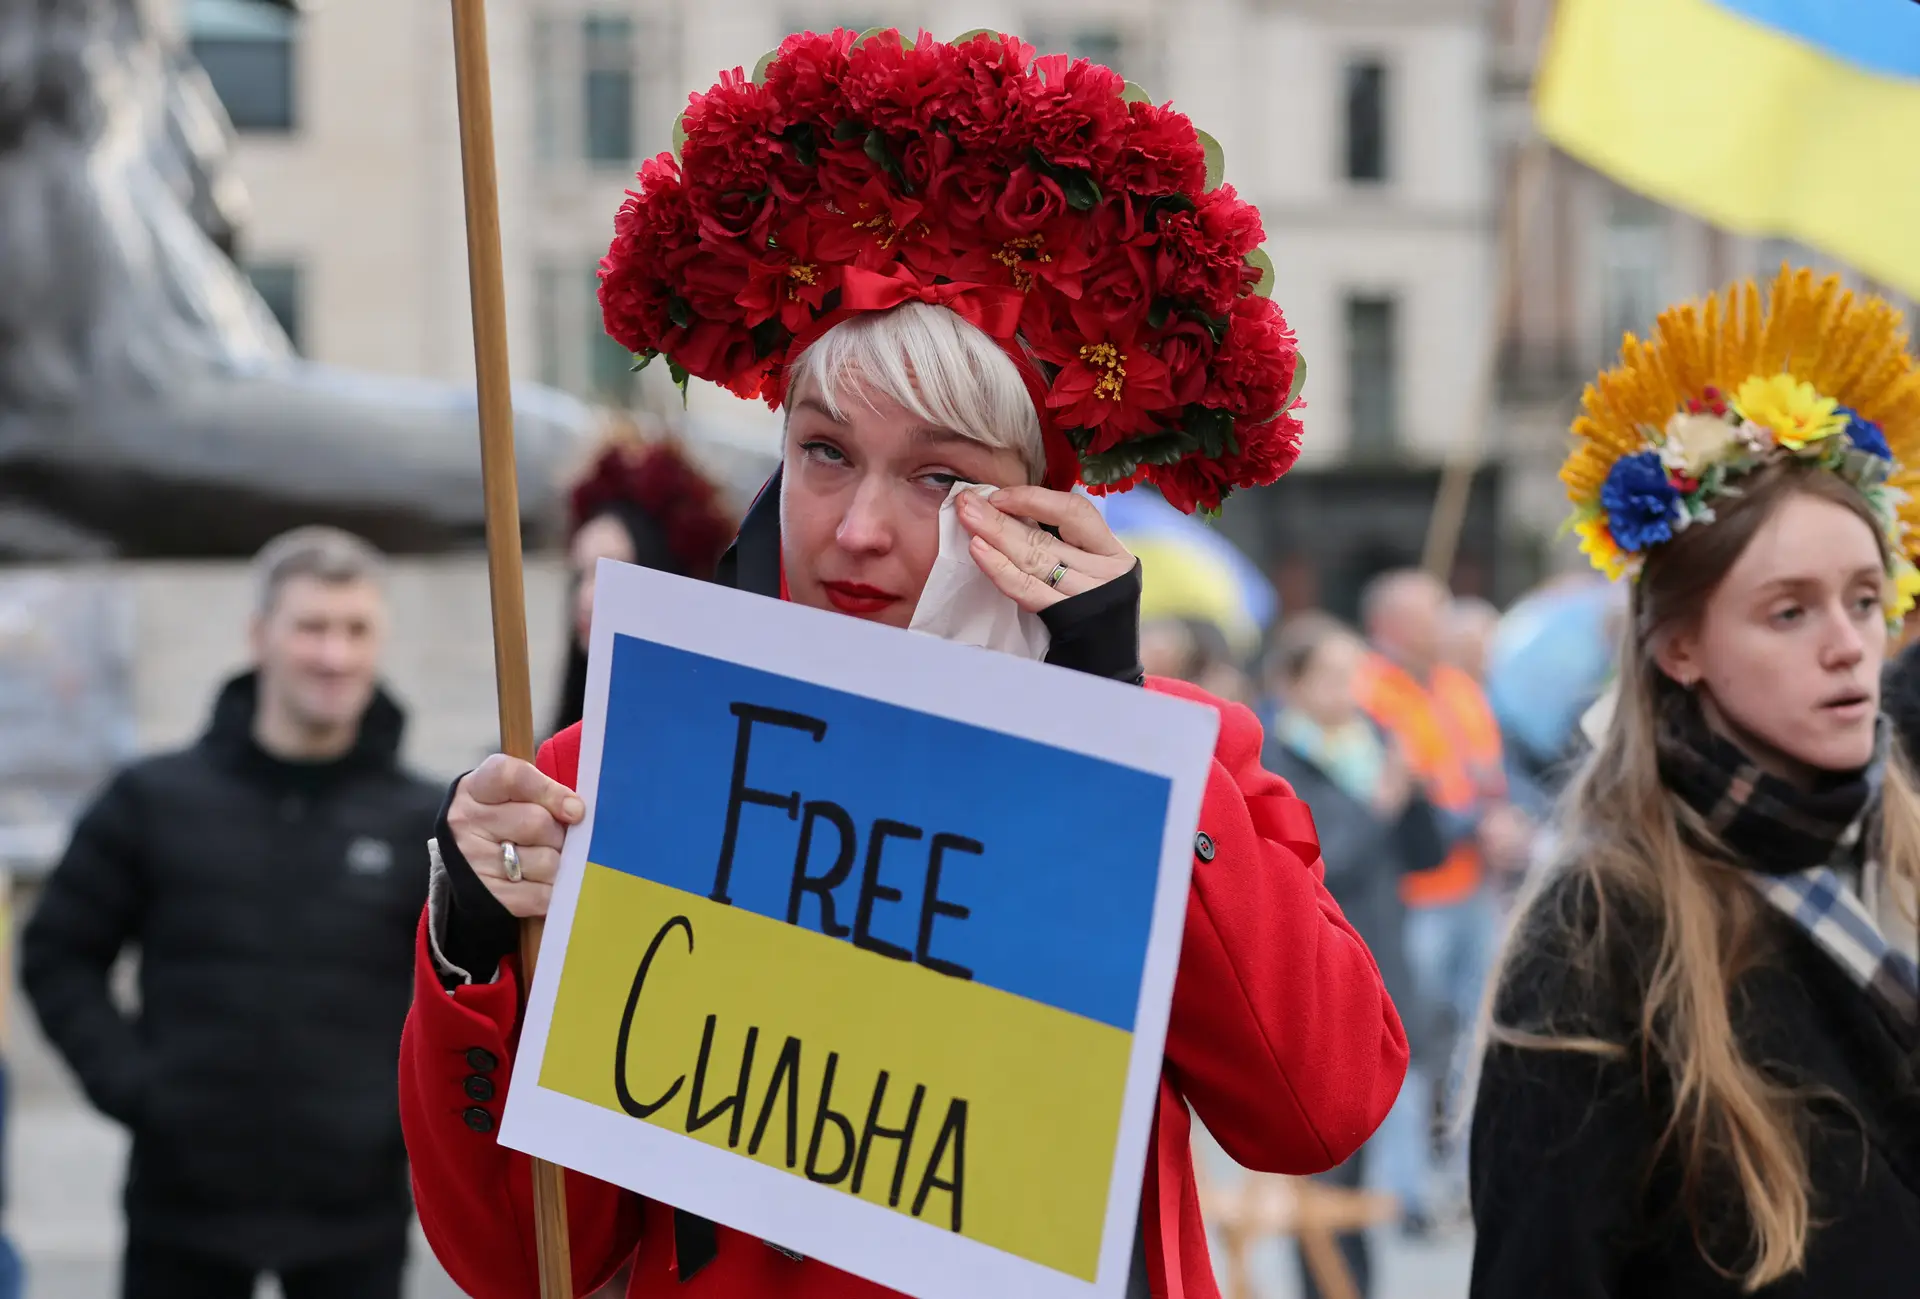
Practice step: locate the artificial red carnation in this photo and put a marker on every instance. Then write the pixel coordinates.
(653, 223)
(730, 132)
(1162, 153)
(1253, 371)
(1075, 112)
(1203, 253)
(722, 353)
(805, 78)
(903, 89)
(984, 113)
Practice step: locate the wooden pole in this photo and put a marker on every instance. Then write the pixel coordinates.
(502, 489)
(1449, 516)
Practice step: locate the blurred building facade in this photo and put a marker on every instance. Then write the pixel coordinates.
(1357, 125)
(1594, 261)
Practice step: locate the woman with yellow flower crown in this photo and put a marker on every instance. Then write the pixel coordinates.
(1700, 1072)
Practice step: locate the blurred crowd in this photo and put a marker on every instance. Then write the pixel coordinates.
(271, 874)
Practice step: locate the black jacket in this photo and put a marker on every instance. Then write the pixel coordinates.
(274, 907)
(1365, 858)
(1569, 1199)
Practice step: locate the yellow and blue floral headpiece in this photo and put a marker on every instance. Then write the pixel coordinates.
(1726, 386)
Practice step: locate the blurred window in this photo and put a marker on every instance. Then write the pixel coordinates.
(607, 87)
(1104, 44)
(1633, 268)
(279, 284)
(1366, 121)
(247, 49)
(575, 353)
(1373, 378)
(610, 376)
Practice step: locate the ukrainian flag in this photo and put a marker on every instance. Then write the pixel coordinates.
(1798, 118)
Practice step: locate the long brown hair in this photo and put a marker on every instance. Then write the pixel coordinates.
(1634, 849)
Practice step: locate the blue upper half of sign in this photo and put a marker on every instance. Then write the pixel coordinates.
(1054, 856)
(1880, 35)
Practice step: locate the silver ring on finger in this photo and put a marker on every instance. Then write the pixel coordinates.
(1053, 578)
(510, 861)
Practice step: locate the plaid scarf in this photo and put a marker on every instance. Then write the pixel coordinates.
(1800, 849)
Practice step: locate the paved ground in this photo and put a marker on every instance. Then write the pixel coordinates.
(64, 1166)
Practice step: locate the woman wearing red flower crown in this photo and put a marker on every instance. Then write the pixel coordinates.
(953, 265)
(639, 501)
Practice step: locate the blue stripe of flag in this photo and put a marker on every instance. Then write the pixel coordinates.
(1881, 36)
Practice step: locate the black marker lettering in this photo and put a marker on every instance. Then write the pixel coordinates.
(736, 1102)
(904, 1135)
(787, 1069)
(954, 1130)
(871, 889)
(824, 1115)
(627, 1103)
(931, 904)
(822, 885)
(739, 795)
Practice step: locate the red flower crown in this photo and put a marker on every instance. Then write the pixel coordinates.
(657, 479)
(1045, 200)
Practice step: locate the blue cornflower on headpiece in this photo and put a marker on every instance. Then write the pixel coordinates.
(1640, 501)
(1864, 435)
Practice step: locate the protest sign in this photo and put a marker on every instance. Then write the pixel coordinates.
(867, 943)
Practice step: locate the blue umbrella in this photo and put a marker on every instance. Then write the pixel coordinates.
(1552, 656)
(1144, 520)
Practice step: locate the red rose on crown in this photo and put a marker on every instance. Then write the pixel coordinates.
(1024, 193)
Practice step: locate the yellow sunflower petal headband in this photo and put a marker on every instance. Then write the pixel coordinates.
(1728, 385)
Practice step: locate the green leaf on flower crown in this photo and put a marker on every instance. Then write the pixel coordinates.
(766, 61)
(1216, 160)
(1131, 93)
(679, 134)
(1862, 470)
(806, 150)
(848, 130)
(769, 336)
(678, 373)
(1212, 430)
(1259, 260)
(1216, 325)
(1157, 313)
(883, 158)
(964, 37)
(1166, 447)
(641, 360)
(1299, 379)
(1081, 189)
(680, 312)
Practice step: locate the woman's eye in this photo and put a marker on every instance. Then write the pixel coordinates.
(942, 481)
(1789, 616)
(1868, 602)
(824, 452)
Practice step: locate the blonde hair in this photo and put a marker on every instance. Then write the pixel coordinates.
(941, 369)
(331, 555)
(1632, 847)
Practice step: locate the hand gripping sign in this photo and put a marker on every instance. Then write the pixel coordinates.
(867, 942)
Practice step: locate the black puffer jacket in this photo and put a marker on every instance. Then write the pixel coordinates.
(274, 907)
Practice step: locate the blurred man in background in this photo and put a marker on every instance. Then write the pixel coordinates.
(1440, 721)
(1471, 623)
(271, 876)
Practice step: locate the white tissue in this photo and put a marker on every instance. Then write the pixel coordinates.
(961, 604)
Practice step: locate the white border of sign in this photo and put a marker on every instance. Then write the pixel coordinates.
(1169, 737)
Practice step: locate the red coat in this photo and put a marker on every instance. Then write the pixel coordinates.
(1282, 1039)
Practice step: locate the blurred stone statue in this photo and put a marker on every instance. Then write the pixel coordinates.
(149, 402)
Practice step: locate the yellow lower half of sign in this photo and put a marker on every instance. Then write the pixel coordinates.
(965, 1107)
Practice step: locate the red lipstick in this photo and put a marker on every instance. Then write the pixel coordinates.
(853, 598)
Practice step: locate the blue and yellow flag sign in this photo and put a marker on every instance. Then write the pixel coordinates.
(868, 942)
(1777, 117)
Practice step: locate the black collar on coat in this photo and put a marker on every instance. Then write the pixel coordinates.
(752, 562)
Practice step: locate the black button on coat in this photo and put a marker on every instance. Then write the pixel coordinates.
(274, 905)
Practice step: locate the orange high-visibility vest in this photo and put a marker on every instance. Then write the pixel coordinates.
(1451, 743)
